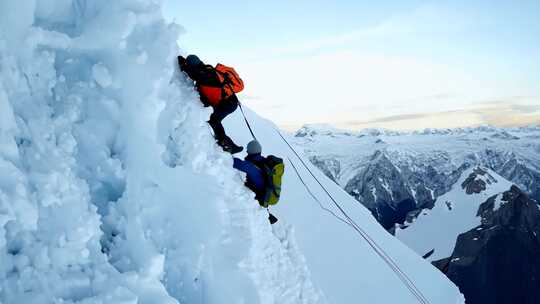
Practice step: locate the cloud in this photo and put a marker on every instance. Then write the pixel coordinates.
(511, 114)
(347, 85)
(402, 117)
(503, 114)
(526, 108)
(338, 79)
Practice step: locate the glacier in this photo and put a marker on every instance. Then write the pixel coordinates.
(112, 189)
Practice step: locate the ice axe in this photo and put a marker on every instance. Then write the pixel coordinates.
(271, 218)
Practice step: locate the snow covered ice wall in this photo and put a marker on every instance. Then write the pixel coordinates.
(112, 189)
(63, 68)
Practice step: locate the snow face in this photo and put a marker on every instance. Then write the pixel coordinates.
(341, 263)
(101, 75)
(112, 189)
(62, 155)
(454, 213)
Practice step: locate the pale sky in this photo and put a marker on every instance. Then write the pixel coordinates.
(357, 64)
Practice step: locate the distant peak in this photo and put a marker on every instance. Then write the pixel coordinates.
(310, 130)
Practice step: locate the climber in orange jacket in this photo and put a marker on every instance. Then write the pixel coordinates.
(217, 87)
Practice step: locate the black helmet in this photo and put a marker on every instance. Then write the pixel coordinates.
(193, 60)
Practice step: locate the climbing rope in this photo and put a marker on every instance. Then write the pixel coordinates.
(296, 170)
(404, 278)
(255, 138)
(313, 195)
(247, 122)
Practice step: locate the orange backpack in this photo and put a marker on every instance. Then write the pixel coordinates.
(230, 83)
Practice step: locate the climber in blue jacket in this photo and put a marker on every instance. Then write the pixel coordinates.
(256, 180)
(252, 165)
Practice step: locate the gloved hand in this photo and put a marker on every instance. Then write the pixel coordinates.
(181, 62)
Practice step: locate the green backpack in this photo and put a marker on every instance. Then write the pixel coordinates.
(273, 169)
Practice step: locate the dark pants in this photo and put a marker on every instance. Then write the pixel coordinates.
(221, 111)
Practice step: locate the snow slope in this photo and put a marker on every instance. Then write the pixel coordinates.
(340, 262)
(454, 213)
(113, 191)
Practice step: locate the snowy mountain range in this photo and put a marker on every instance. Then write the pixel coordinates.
(396, 174)
(453, 213)
(112, 189)
(499, 260)
(453, 196)
(484, 234)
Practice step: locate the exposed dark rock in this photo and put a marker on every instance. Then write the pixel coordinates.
(395, 194)
(475, 184)
(442, 264)
(498, 262)
(389, 216)
(523, 172)
(381, 187)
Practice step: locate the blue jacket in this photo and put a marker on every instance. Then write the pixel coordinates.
(254, 176)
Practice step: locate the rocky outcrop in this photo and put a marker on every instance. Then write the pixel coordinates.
(395, 193)
(524, 173)
(380, 187)
(498, 262)
(477, 181)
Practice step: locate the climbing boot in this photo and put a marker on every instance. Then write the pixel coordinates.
(229, 146)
